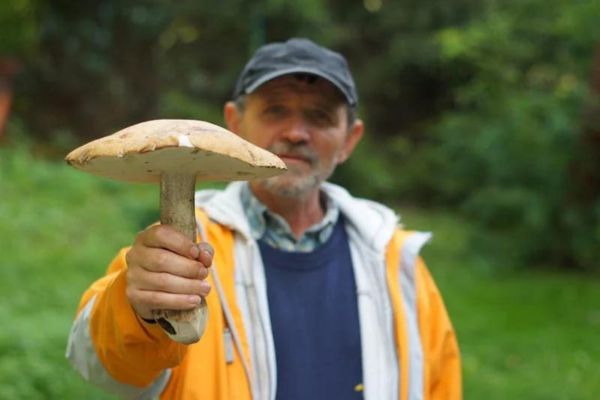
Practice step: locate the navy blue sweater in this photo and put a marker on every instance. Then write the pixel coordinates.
(314, 317)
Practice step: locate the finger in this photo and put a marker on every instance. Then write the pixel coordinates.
(206, 254)
(167, 301)
(169, 283)
(166, 237)
(160, 260)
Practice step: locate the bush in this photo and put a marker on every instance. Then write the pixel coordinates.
(507, 153)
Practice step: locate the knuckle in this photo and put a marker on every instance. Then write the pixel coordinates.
(130, 256)
(131, 279)
(154, 299)
(130, 293)
(158, 231)
(133, 296)
(131, 275)
(141, 236)
(162, 233)
(138, 237)
(162, 281)
(162, 259)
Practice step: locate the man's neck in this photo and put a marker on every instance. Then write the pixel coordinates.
(299, 212)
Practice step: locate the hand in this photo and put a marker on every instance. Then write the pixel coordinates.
(166, 271)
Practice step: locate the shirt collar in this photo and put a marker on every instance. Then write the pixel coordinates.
(274, 229)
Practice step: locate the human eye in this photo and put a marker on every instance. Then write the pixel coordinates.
(319, 117)
(275, 111)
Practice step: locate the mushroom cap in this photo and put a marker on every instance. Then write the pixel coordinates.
(142, 152)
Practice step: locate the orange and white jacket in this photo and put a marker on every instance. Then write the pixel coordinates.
(409, 348)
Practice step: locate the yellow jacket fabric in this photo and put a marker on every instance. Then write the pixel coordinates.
(122, 353)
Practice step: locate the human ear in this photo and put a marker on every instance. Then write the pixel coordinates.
(353, 136)
(232, 117)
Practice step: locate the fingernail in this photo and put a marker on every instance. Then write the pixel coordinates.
(195, 252)
(206, 247)
(207, 254)
(195, 300)
(205, 288)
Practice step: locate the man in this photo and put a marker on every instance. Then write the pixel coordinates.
(316, 294)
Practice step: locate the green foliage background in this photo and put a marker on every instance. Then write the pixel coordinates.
(476, 105)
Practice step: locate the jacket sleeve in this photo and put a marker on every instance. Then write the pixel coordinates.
(443, 378)
(112, 347)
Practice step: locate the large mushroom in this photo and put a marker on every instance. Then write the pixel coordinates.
(176, 153)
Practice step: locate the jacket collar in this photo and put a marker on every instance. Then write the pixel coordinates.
(373, 222)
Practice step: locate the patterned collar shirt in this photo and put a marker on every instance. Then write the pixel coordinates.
(275, 231)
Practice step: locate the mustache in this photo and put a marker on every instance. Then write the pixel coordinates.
(294, 150)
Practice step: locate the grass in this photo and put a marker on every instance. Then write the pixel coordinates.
(524, 334)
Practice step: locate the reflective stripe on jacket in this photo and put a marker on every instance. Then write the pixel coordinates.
(408, 344)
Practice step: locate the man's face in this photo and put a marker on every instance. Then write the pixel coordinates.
(303, 120)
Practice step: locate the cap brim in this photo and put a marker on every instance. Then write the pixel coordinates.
(296, 70)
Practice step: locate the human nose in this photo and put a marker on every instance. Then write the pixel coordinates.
(298, 131)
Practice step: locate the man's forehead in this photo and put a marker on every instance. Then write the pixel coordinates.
(301, 84)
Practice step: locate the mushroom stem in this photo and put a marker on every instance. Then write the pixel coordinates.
(177, 202)
(177, 210)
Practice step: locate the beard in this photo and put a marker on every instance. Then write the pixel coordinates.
(298, 181)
